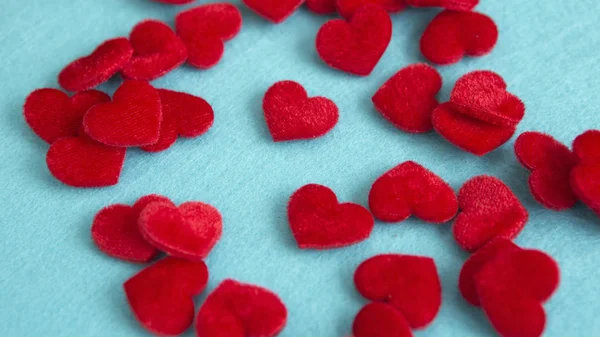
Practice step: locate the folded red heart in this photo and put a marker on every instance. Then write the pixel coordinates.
(322, 6)
(275, 11)
(347, 8)
(380, 320)
(585, 176)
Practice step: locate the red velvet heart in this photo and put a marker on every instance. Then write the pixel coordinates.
(452, 35)
(133, 118)
(189, 231)
(51, 114)
(407, 99)
(347, 8)
(322, 6)
(380, 320)
(161, 296)
(236, 309)
(275, 11)
(408, 189)
(291, 115)
(586, 146)
(489, 210)
(550, 163)
(157, 51)
(467, 133)
(408, 283)
(204, 29)
(98, 67)
(456, 5)
(357, 46)
(585, 176)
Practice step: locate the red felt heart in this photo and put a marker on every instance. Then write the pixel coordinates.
(407, 99)
(51, 114)
(467, 133)
(585, 176)
(451, 35)
(409, 188)
(456, 5)
(380, 320)
(204, 29)
(275, 11)
(189, 231)
(157, 51)
(161, 296)
(322, 6)
(347, 8)
(318, 221)
(236, 309)
(550, 163)
(586, 146)
(96, 68)
(133, 117)
(489, 210)
(357, 46)
(408, 283)
(291, 115)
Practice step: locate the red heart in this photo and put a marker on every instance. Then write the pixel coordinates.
(161, 296)
(456, 5)
(157, 51)
(347, 8)
(409, 188)
(183, 115)
(407, 99)
(452, 35)
(204, 29)
(322, 6)
(550, 163)
(189, 231)
(408, 283)
(467, 133)
(115, 231)
(380, 320)
(133, 118)
(51, 114)
(585, 176)
(98, 67)
(357, 46)
(318, 221)
(489, 210)
(275, 11)
(236, 309)
(291, 115)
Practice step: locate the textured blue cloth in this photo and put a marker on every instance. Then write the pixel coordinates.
(54, 282)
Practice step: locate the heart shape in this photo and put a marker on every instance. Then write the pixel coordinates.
(236, 309)
(357, 46)
(204, 29)
(157, 51)
(585, 176)
(98, 67)
(291, 115)
(51, 114)
(455, 5)
(318, 221)
(275, 11)
(451, 35)
(408, 283)
(347, 8)
(380, 320)
(410, 188)
(161, 296)
(489, 210)
(550, 163)
(189, 231)
(322, 6)
(133, 117)
(407, 99)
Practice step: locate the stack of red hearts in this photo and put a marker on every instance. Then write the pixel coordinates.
(161, 296)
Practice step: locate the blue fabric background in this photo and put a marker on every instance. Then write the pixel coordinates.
(53, 282)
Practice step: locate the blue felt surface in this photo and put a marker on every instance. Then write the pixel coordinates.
(53, 282)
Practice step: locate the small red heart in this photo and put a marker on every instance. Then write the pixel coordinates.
(322, 6)
(585, 176)
(291, 115)
(236, 309)
(585, 147)
(51, 114)
(380, 320)
(452, 35)
(98, 67)
(318, 221)
(408, 283)
(408, 189)
(189, 231)
(275, 11)
(204, 29)
(357, 46)
(157, 51)
(347, 8)
(455, 5)
(550, 163)
(467, 133)
(161, 296)
(407, 99)
(133, 117)
(489, 210)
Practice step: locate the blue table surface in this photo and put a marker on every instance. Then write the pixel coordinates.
(54, 282)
